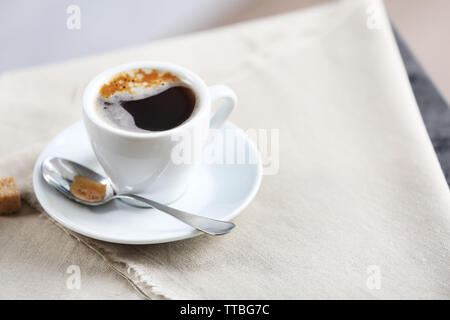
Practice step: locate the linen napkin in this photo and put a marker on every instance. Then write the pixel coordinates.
(358, 207)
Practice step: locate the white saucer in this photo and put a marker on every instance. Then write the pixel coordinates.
(219, 191)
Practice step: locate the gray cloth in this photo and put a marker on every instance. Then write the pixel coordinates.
(433, 107)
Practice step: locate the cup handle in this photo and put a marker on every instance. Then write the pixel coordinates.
(227, 102)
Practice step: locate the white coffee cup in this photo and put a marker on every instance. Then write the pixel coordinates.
(142, 162)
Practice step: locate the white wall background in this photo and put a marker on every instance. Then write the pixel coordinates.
(34, 31)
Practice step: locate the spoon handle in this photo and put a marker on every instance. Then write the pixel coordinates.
(207, 225)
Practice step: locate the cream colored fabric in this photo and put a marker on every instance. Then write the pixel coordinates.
(359, 189)
(36, 254)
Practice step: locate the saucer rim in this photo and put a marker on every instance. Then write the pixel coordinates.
(39, 192)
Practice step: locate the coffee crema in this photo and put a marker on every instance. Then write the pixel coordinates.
(145, 100)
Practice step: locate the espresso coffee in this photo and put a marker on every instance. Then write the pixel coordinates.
(146, 100)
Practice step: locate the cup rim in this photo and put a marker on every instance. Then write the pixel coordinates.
(195, 82)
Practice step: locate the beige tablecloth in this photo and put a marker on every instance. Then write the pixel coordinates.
(359, 207)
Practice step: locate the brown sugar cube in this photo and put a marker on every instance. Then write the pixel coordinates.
(9, 195)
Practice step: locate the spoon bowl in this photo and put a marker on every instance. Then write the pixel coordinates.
(60, 173)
